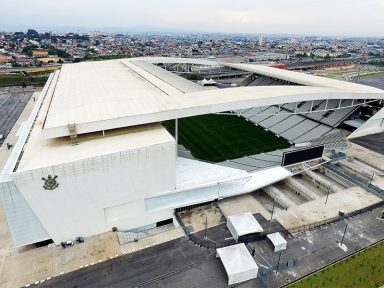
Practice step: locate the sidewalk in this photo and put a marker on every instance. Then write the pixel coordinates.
(20, 268)
(12, 138)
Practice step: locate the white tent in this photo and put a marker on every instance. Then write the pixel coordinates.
(238, 263)
(243, 224)
(278, 241)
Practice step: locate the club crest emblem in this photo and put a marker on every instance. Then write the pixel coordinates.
(50, 182)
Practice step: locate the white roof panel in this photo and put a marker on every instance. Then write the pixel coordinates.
(40, 151)
(276, 238)
(303, 78)
(112, 94)
(245, 223)
(237, 260)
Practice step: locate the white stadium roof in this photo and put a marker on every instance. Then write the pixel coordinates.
(127, 98)
(105, 95)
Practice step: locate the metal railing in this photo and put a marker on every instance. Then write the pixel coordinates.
(334, 140)
(355, 178)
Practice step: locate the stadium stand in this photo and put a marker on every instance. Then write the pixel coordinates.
(293, 127)
(314, 133)
(312, 121)
(262, 81)
(299, 130)
(257, 162)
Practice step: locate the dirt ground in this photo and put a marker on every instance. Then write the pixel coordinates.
(242, 204)
(197, 217)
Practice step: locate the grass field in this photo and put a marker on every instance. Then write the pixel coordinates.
(365, 269)
(216, 138)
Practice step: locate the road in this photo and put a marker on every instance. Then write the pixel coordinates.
(11, 106)
(373, 142)
(374, 81)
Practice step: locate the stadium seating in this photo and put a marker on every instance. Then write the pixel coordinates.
(299, 130)
(288, 123)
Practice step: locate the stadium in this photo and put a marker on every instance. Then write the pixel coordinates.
(122, 144)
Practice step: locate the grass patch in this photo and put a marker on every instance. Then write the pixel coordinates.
(19, 79)
(217, 138)
(365, 269)
(40, 71)
(367, 75)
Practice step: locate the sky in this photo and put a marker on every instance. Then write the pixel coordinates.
(300, 17)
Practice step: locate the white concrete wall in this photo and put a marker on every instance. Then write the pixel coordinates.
(99, 193)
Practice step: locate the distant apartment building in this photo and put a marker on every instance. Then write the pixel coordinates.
(324, 53)
(5, 58)
(39, 53)
(24, 60)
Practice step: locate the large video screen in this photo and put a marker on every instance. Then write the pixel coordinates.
(302, 155)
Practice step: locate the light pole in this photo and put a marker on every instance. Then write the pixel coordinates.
(273, 209)
(206, 226)
(345, 230)
(329, 189)
(278, 262)
(373, 175)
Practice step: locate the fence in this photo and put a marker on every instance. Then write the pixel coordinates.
(189, 207)
(262, 236)
(280, 266)
(335, 219)
(207, 243)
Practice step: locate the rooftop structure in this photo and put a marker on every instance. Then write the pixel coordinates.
(238, 263)
(243, 224)
(278, 241)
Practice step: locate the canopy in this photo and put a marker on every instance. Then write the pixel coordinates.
(278, 241)
(243, 224)
(238, 263)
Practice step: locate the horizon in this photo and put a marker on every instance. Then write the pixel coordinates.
(326, 18)
(152, 30)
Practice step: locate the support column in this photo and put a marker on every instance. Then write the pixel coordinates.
(176, 135)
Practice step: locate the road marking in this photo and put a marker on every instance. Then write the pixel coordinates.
(263, 258)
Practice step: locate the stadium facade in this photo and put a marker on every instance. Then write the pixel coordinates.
(93, 154)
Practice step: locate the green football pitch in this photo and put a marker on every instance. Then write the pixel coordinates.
(216, 138)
